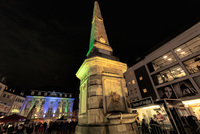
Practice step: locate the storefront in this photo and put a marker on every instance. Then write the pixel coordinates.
(193, 107)
(148, 110)
(173, 112)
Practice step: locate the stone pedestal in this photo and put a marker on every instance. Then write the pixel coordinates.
(103, 106)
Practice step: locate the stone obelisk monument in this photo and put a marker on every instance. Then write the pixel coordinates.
(103, 107)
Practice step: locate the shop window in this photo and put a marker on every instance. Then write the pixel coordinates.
(161, 61)
(145, 90)
(133, 82)
(193, 64)
(169, 74)
(141, 78)
(188, 48)
(177, 72)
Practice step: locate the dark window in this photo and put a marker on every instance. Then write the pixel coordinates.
(4, 95)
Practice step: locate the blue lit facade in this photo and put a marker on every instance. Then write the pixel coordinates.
(48, 105)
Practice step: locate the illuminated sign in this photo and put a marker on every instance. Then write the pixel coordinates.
(143, 102)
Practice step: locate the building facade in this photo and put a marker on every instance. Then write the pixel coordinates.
(170, 72)
(10, 101)
(47, 105)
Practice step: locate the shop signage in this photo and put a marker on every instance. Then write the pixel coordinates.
(142, 102)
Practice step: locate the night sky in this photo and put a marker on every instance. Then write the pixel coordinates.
(43, 43)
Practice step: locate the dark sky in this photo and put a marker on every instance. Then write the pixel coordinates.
(43, 43)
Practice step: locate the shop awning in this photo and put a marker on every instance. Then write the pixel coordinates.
(13, 118)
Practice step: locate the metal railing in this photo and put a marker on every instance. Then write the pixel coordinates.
(155, 129)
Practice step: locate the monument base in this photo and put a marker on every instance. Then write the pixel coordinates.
(130, 128)
(117, 124)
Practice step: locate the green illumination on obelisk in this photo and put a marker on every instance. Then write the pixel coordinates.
(98, 36)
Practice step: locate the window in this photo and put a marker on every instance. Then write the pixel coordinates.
(45, 94)
(65, 95)
(129, 83)
(131, 92)
(144, 90)
(32, 93)
(50, 111)
(141, 78)
(169, 74)
(161, 61)
(135, 90)
(193, 65)
(39, 93)
(133, 82)
(188, 48)
(4, 95)
(8, 96)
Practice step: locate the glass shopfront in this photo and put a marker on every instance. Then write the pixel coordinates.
(193, 64)
(152, 115)
(151, 112)
(169, 74)
(194, 107)
(188, 48)
(161, 61)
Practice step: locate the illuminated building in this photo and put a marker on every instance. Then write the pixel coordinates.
(2, 87)
(11, 101)
(49, 105)
(171, 71)
(102, 99)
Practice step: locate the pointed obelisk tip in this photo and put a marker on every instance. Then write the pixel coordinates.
(98, 36)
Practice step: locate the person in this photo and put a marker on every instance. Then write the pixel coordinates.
(159, 117)
(64, 127)
(10, 128)
(137, 121)
(45, 126)
(37, 126)
(29, 129)
(145, 129)
(40, 130)
(50, 129)
(20, 130)
(155, 128)
(59, 127)
(145, 117)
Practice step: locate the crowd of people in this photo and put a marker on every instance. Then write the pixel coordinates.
(154, 125)
(58, 127)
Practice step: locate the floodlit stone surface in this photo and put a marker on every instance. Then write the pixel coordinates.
(103, 107)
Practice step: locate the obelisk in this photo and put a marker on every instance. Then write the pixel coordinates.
(103, 107)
